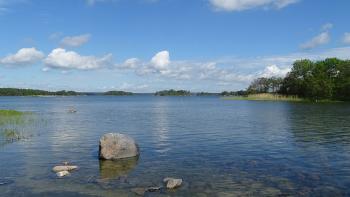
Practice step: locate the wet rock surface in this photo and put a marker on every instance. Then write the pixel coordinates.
(64, 168)
(172, 183)
(62, 173)
(115, 146)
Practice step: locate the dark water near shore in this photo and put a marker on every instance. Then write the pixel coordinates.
(220, 148)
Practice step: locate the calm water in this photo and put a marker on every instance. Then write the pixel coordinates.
(219, 148)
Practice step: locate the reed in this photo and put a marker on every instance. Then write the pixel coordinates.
(266, 97)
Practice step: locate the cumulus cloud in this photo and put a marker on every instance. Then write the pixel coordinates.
(236, 70)
(321, 39)
(75, 41)
(24, 56)
(274, 71)
(61, 59)
(346, 38)
(239, 5)
(161, 60)
(131, 63)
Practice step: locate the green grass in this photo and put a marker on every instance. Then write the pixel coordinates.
(10, 113)
(11, 117)
(266, 97)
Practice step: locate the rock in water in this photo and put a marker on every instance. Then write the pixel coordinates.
(64, 168)
(172, 183)
(62, 173)
(117, 146)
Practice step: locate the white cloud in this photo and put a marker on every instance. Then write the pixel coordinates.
(161, 60)
(75, 41)
(130, 63)
(274, 71)
(346, 38)
(321, 39)
(239, 5)
(233, 71)
(61, 59)
(24, 56)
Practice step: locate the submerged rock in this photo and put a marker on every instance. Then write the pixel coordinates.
(110, 169)
(62, 173)
(172, 183)
(64, 168)
(117, 146)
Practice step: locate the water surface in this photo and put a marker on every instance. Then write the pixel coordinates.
(219, 147)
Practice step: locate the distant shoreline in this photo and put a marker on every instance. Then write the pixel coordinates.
(43, 93)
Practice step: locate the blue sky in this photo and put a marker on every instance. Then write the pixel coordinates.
(149, 45)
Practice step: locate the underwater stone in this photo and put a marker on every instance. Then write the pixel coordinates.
(62, 173)
(117, 146)
(64, 168)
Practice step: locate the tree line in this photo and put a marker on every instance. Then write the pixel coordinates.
(327, 79)
(32, 92)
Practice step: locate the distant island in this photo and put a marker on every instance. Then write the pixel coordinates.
(35, 92)
(118, 93)
(172, 92)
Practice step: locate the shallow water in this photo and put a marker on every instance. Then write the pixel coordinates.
(219, 147)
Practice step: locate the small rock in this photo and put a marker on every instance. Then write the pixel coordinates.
(172, 183)
(139, 191)
(153, 189)
(62, 173)
(72, 110)
(64, 168)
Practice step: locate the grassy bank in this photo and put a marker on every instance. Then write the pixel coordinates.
(266, 97)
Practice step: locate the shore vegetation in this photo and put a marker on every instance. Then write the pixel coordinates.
(317, 81)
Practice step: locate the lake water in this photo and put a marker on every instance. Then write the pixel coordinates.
(219, 147)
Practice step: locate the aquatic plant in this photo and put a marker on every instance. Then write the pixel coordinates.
(10, 113)
(266, 97)
(11, 135)
(15, 125)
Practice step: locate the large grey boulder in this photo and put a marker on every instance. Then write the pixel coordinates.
(117, 146)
